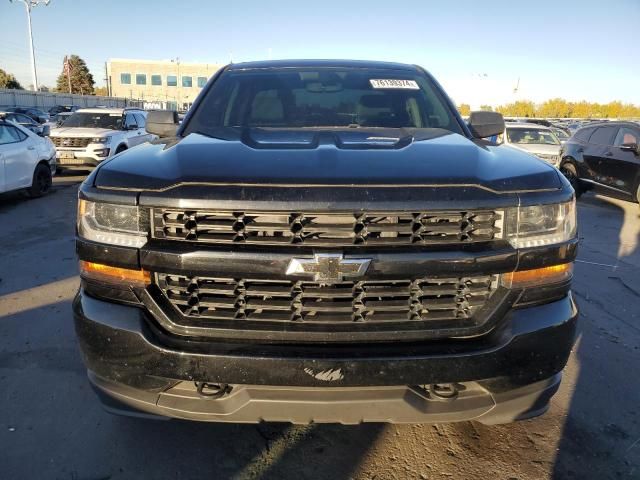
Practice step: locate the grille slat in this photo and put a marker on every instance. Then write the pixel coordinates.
(70, 142)
(309, 302)
(327, 229)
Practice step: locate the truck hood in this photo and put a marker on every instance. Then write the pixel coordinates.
(80, 132)
(381, 158)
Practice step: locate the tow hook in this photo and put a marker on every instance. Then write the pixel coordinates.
(213, 390)
(442, 392)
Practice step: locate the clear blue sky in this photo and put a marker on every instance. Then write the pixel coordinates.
(587, 49)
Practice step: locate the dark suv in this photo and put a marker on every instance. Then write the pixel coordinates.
(326, 241)
(605, 156)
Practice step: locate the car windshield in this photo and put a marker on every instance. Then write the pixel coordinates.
(111, 121)
(561, 134)
(296, 98)
(532, 136)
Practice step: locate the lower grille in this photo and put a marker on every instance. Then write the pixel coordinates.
(442, 301)
(71, 142)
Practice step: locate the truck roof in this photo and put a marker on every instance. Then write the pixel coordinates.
(323, 63)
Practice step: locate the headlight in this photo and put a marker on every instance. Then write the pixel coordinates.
(101, 140)
(540, 225)
(122, 225)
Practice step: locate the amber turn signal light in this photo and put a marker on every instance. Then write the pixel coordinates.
(106, 273)
(538, 276)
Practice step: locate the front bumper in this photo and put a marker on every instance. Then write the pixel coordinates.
(510, 374)
(85, 158)
(53, 165)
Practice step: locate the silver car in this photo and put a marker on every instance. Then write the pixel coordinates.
(535, 139)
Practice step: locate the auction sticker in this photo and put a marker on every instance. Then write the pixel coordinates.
(393, 83)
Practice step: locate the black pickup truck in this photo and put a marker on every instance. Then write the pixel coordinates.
(325, 241)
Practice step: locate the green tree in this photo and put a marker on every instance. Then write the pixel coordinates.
(101, 91)
(81, 79)
(486, 108)
(464, 109)
(7, 80)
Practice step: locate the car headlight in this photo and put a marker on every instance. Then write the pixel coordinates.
(101, 140)
(540, 225)
(122, 225)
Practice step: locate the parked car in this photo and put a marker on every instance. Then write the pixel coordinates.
(53, 111)
(605, 156)
(27, 161)
(561, 133)
(326, 241)
(42, 129)
(535, 139)
(58, 119)
(35, 113)
(91, 135)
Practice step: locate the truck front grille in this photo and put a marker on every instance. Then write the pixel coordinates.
(432, 302)
(71, 142)
(326, 229)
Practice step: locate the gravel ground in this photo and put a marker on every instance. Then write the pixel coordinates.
(51, 426)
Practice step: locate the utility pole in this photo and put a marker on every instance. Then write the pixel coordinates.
(29, 4)
(178, 83)
(106, 79)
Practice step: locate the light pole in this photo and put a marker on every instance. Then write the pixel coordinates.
(29, 4)
(178, 82)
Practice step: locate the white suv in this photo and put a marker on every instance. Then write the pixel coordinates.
(91, 135)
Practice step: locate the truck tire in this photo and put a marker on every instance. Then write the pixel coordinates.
(569, 171)
(121, 148)
(41, 183)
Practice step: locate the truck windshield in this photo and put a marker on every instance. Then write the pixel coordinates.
(322, 98)
(112, 121)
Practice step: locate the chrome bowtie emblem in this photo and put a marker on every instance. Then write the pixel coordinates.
(328, 267)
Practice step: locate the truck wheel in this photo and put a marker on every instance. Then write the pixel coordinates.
(41, 183)
(569, 171)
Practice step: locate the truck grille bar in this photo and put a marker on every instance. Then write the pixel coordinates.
(428, 300)
(326, 229)
(71, 142)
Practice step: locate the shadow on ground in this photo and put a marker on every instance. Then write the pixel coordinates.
(601, 434)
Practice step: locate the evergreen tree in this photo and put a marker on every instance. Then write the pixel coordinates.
(81, 79)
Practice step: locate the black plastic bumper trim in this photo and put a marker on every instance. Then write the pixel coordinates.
(534, 343)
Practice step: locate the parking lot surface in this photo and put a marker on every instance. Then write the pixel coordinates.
(52, 427)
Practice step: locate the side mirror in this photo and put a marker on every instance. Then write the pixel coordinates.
(46, 130)
(632, 147)
(486, 124)
(163, 123)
